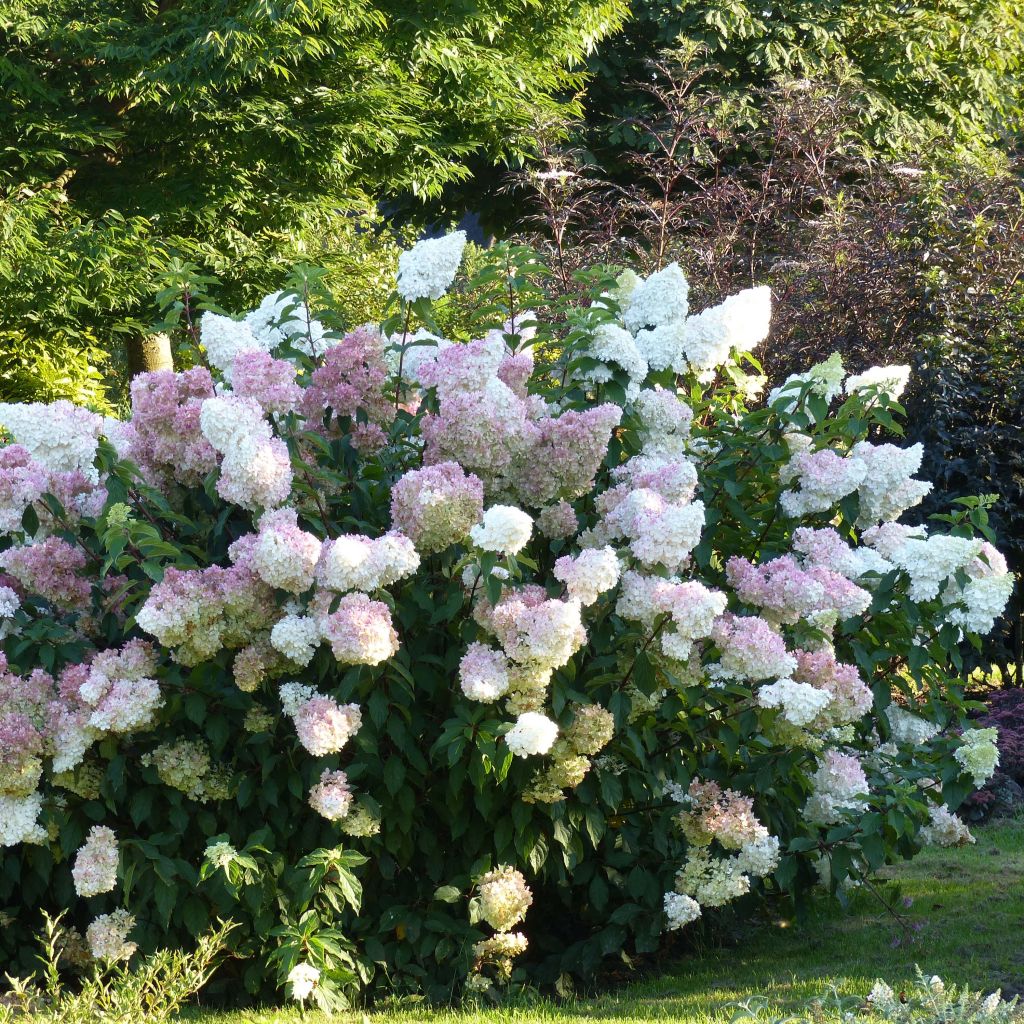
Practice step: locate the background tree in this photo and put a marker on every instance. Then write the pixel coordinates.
(241, 135)
(948, 70)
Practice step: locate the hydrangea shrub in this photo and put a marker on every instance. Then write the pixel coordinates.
(436, 663)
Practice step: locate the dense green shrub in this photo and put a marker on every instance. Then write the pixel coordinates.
(685, 653)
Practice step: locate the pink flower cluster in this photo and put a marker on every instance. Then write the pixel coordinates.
(199, 612)
(164, 436)
(271, 382)
(787, 593)
(350, 381)
(120, 690)
(437, 506)
(359, 630)
(851, 697)
(321, 724)
(95, 869)
(509, 440)
(713, 813)
(751, 649)
(53, 569)
(331, 796)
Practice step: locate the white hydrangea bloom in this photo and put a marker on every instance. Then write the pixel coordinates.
(614, 346)
(231, 423)
(740, 322)
(429, 267)
(888, 488)
(680, 910)
(223, 338)
(909, 729)
(945, 829)
(978, 754)
(800, 703)
(60, 435)
(533, 733)
(660, 299)
(303, 978)
(281, 317)
(18, 816)
(504, 529)
(890, 381)
(662, 347)
(296, 637)
(929, 563)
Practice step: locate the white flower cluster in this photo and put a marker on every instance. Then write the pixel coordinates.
(614, 348)
(426, 271)
(297, 637)
(680, 910)
(504, 529)
(354, 562)
(589, 574)
(303, 978)
(662, 298)
(740, 322)
(255, 469)
(60, 436)
(18, 819)
(533, 733)
(978, 754)
(839, 786)
(909, 729)
(279, 318)
(800, 703)
(945, 829)
(890, 381)
(483, 673)
(108, 936)
(504, 898)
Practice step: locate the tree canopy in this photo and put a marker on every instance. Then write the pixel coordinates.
(950, 69)
(241, 133)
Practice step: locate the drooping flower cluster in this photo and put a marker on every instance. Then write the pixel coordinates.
(978, 754)
(710, 814)
(331, 796)
(108, 936)
(95, 869)
(840, 785)
(321, 724)
(504, 898)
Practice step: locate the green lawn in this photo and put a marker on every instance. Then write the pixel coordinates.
(969, 904)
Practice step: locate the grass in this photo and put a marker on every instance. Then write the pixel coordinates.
(967, 913)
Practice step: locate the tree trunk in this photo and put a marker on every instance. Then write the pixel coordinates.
(149, 352)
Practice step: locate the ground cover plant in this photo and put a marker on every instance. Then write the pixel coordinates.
(440, 665)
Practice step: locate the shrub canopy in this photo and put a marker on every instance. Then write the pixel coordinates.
(442, 663)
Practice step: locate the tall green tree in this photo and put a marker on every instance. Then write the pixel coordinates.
(926, 69)
(243, 134)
